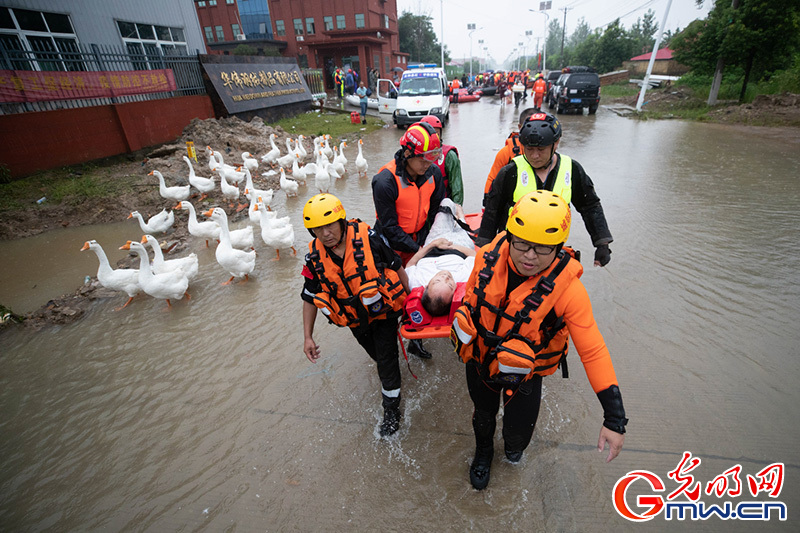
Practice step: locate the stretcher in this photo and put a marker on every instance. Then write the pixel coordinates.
(416, 322)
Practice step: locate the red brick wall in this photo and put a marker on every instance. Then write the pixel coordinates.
(48, 139)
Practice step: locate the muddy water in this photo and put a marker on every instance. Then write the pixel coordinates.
(210, 416)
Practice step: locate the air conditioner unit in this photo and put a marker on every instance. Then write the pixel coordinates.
(241, 37)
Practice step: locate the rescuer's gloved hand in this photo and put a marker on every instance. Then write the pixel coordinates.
(613, 410)
(602, 255)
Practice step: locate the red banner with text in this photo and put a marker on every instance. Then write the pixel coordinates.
(33, 86)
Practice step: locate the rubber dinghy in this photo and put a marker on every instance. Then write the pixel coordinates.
(354, 100)
(462, 98)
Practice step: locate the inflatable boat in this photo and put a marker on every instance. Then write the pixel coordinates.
(354, 100)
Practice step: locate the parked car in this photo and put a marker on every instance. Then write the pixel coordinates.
(576, 88)
(551, 78)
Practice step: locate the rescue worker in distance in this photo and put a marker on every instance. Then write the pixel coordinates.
(407, 193)
(540, 166)
(450, 166)
(509, 151)
(523, 301)
(357, 281)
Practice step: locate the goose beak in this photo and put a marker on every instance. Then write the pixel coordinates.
(130, 216)
(208, 213)
(144, 239)
(179, 205)
(85, 246)
(246, 190)
(150, 173)
(255, 207)
(126, 246)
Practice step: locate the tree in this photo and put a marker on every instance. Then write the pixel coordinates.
(642, 33)
(580, 34)
(418, 39)
(244, 50)
(758, 36)
(613, 47)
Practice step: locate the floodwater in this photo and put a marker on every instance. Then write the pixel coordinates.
(210, 417)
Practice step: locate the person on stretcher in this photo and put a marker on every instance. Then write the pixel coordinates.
(446, 259)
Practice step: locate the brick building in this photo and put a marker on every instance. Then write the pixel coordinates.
(361, 34)
(228, 23)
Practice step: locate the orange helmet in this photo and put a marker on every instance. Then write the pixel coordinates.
(422, 141)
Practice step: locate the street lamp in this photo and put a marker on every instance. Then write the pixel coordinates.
(472, 29)
(542, 7)
(528, 34)
(522, 53)
(480, 45)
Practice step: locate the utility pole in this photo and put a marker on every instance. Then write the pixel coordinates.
(712, 95)
(441, 17)
(564, 33)
(646, 81)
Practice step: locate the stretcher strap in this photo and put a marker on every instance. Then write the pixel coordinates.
(403, 347)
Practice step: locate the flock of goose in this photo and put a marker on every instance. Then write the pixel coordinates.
(169, 279)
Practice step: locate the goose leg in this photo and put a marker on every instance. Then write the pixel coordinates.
(188, 296)
(294, 252)
(229, 281)
(124, 306)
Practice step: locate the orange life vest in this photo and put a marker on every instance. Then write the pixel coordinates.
(520, 335)
(539, 85)
(360, 292)
(413, 203)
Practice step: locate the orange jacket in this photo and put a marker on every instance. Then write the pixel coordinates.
(358, 292)
(413, 202)
(508, 152)
(539, 86)
(568, 300)
(455, 84)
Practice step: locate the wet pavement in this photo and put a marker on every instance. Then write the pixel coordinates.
(209, 416)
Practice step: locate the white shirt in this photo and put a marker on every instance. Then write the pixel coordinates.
(420, 274)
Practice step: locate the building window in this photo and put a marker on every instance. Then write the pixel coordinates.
(386, 21)
(340, 25)
(209, 34)
(220, 33)
(280, 28)
(302, 61)
(212, 2)
(230, 2)
(359, 20)
(310, 29)
(298, 26)
(201, 3)
(235, 30)
(388, 65)
(328, 21)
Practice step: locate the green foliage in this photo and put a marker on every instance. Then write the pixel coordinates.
(244, 50)
(783, 81)
(336, 125)
(619, 90)
(418, 39)
(5, 174)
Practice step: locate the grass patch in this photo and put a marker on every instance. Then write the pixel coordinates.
(68, 185)
(619, 90)
(337, 125)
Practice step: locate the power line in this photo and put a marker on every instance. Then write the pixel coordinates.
(646, 4)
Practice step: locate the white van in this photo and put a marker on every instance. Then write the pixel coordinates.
(423, 91)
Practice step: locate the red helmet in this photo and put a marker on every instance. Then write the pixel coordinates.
(433, 120)
(422, 141)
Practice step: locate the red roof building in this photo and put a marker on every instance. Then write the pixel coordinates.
(357, 34)
(664, 53)
(664, 64)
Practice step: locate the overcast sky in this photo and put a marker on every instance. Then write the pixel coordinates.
(504, 22)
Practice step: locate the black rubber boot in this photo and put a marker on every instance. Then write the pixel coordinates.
(391, 416)
(391, 421)
(415, 347)
(481, 466)
(513, 457)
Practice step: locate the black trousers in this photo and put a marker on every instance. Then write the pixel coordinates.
(519, 414)
(379, 339)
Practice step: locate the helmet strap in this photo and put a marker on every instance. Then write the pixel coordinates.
(549, 160)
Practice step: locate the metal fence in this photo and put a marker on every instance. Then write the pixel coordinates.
(315, 82)
(72, 57)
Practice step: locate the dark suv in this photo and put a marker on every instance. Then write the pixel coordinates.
(576, 90)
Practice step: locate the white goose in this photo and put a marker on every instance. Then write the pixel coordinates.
(322, 180)
(272, 156)
(251, 191)
(337, 163)
(288, 186)
(361, 163)
(157, 223)
(298, 174)
(176, 193)
(204, 185)
(188, 265)
(326, 148)
(286, 160)
(332, 172)
(239, 238)
(342, 158)
(206, 229)
(299, 148)
(166, 286)
(249, 162)
(277, 232)
(230, 192)
(125, 280)
(237, 262)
